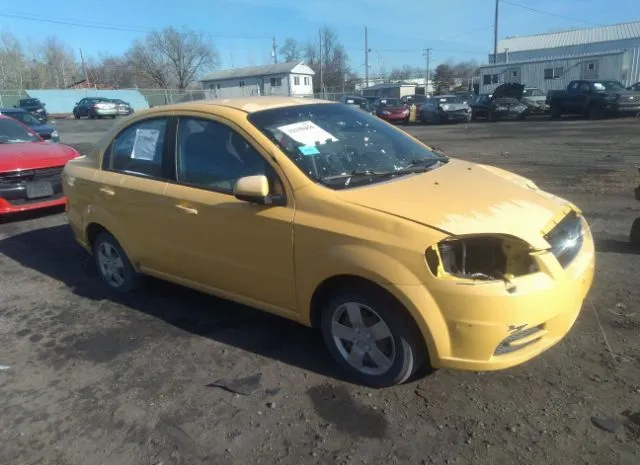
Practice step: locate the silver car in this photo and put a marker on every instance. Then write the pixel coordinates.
(445, 109)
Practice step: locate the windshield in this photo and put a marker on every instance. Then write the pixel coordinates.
(361, 102)
(30, 102)
(389, 102)
(340, 146)
(12, 132)
(533, 93)
(24, 117)
(448, 99)
(608, 85)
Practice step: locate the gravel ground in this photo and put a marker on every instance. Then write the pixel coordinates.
(94, 378)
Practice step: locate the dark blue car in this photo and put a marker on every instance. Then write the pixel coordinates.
(45, 131)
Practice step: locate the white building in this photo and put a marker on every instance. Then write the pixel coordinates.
(550, 61)
(288, 79)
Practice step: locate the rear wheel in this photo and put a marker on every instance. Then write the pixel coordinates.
(555, 111)
(113, 266)
(371, 337)
(75, 114)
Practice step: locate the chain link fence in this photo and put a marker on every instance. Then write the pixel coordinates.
(11, 97)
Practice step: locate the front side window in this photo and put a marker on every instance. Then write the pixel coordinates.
(212, 156)
(24, 118)
(12, 132)
(342, 147)
(138, 149)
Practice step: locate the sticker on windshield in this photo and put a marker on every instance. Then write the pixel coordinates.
(308, 150)
(307, 133)
(144, 145)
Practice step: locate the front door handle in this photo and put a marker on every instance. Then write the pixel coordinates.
(108, 191)
(188, 210)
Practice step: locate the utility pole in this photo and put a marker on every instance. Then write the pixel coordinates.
(321, 66)
(84, 67)
(495, 33)
(427, 56)
(366, 58)
(274, 50)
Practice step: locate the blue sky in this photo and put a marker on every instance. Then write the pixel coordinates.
(242, 29)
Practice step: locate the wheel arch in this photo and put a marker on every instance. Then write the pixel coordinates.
(349, 282)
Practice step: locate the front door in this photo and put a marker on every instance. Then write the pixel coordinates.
(217, 240)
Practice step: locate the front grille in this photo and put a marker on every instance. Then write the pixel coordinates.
(25, 201)
(46, 136)
(42, 174)
(508, 344)
(566, 239)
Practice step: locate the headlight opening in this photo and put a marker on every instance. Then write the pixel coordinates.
(481, 258)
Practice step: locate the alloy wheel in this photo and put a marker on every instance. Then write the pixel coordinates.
(111, 265)
(363, 338)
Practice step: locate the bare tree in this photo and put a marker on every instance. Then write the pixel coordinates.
(13, 62)
(290, 51)
(112, 71)
(171, 57)
(57, 64)
(334, 61)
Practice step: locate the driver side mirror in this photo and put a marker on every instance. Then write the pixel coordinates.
(253, 189)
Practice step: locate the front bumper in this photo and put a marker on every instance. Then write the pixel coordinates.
(456, 117)
(395, 117)
(105, 112)
(14, 197)
(482, 326)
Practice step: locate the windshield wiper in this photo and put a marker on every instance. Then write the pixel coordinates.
(355, 173)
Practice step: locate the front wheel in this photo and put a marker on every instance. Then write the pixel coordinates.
(371, 337)
(634, 237)
(113, 266)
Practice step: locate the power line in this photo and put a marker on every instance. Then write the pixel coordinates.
(105, 26)
(550, 14)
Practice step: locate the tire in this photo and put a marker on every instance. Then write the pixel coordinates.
(113, 265)
(396, 344)
(492, 117)
(75, 115)
(594, 112)
(474, 116)
(555, 111)
(91, 115)
(634, 236)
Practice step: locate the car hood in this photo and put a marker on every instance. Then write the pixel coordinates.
(32, 155)
(461, 198)
(625, 93)
(509, 90)
(43, 129)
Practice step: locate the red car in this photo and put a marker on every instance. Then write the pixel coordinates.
(30, 168)
(392, 110)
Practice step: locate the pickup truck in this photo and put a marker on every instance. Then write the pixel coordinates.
(593, 99)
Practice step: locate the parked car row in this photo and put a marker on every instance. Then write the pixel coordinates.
(593, 99)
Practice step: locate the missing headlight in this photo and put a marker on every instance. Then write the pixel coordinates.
(481, 258)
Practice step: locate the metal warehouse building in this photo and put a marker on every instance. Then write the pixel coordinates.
(550, 61)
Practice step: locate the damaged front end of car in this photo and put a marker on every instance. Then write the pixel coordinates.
(488, 257)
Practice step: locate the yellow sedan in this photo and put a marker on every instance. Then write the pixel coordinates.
(324, 214)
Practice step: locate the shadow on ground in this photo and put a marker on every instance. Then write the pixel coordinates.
(53, 251)
(616, 246)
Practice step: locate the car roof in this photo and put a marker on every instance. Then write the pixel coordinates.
(245, 104)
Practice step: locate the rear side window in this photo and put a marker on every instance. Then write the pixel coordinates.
(138, 149)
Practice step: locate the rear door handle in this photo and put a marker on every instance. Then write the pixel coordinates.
(188, 210)
(108, 191)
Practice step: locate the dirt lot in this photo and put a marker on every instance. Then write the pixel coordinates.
(98, 379)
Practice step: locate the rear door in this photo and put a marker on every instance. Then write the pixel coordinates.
(132, 184)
